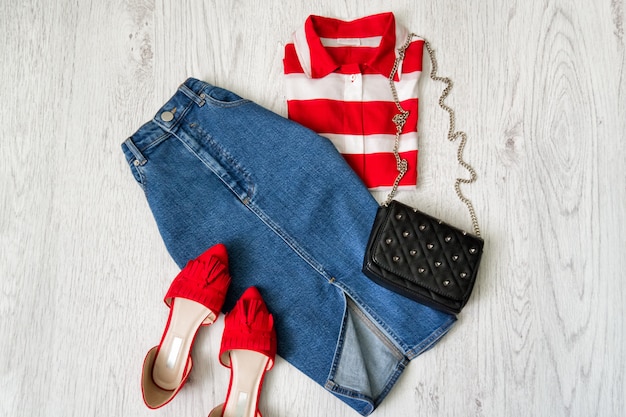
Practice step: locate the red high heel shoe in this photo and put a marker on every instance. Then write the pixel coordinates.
(195, 298)
(248, 349)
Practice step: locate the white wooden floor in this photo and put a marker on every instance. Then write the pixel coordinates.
(540, 88)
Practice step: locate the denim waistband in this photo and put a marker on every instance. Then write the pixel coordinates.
(191, 92)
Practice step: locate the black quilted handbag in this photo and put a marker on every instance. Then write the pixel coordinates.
(417, 255)
(422, 258)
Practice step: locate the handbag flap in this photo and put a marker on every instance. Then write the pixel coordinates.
(427, 252)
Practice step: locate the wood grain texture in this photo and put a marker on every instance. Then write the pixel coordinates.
(539, 88)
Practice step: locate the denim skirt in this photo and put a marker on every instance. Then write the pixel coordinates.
(295, 219)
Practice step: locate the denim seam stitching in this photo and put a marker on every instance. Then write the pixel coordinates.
(158, 140)
(338, 353)
(402, 347)
(225, 104)
(137, 153)
(334, 387)
(291, 242)
(247, 177)
(209, 167)
(192, 95)
(388, 385)
(402, 361)
(142, 177)
(393, 378)
(201, 101)
(350, 393)
(395, 350)
(439, 332)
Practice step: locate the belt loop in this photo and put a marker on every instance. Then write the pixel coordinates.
(139, 158)
(199, 99)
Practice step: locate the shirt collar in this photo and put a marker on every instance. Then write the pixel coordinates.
(317, 62)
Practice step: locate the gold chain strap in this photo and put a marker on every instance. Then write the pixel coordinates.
(400, 119)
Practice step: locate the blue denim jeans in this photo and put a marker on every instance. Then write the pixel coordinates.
(295, 218)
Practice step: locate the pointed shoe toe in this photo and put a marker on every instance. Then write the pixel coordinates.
(195, 298)
(249, 349)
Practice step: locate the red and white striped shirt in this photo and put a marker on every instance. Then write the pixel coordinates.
(337, 84)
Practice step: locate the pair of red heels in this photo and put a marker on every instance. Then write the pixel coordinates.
(248, 347)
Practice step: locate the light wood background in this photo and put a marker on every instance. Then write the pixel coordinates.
(539, 88)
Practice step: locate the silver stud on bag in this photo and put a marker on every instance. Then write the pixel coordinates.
(446, 283)
(420, 270)
(388, 240)
(430, 246)
(396, 258)
(472, 250)
(413, 252)
(422, 226)
(448, 238)
(405, 234)
(455, 257)
(463, 275)
(398, 216)
(437, 264)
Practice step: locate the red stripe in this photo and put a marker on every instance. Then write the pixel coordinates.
(412, 60)
(291, 61)
(373, 25)
(379, 169)
(413, 57)
(351, 118)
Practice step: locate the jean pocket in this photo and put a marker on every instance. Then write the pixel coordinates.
(221, 161)
(138, 174)
(225, 98)
(135, 160)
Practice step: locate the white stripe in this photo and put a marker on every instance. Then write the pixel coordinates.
(359, 145)
(374, 87)
(389, 188)
(401, 35)
(302, 50)
(372, 41)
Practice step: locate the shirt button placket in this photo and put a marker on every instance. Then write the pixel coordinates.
(353, 88)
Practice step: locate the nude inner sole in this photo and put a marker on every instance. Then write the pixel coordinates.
(248, 368)
(170, 363)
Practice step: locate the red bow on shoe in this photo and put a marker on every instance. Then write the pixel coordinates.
(249, 326)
